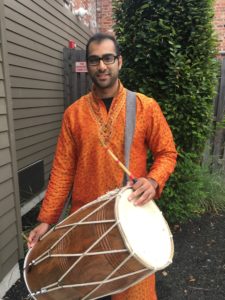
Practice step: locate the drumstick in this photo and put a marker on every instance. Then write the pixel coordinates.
(121, 165)
(24, 236)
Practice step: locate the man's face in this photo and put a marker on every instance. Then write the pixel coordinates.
(104, 75)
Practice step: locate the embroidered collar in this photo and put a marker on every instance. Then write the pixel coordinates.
(97, 109)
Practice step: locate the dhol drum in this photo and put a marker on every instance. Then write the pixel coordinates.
(105, 247)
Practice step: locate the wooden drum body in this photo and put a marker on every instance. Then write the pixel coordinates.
(103, 248)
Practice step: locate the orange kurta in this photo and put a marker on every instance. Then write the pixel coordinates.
(83, 163)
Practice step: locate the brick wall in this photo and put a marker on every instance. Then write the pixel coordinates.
(219, 23)
(99, 16)
(104, 16)
(90, 17)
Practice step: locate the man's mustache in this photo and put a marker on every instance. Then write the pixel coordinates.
(102, 72)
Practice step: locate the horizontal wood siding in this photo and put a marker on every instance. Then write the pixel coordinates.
(6, 172)
(6, 204)
(37, 31)
(33, 34)
(9, 253)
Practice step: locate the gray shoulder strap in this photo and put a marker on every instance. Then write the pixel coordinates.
(130, 125)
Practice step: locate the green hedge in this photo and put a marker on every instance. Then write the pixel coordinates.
(169, 51)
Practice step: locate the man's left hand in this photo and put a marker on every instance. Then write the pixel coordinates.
(144, 191)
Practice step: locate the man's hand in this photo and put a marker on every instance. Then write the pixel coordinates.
(36, 233)
(144, 191)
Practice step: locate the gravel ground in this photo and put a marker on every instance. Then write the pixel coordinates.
(198, 268)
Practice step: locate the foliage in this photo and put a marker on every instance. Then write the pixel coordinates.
(168, 50)
(178, 201)
(192, 189)
(213, 188)
(169, 54)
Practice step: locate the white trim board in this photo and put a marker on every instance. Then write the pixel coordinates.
(32, 203)
(9, 280)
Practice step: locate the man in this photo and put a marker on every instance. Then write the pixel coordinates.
(83, 163)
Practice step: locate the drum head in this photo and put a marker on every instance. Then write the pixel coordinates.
(145, 231)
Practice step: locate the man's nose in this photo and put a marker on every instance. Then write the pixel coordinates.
(101, 65)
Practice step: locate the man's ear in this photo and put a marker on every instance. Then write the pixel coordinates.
(120, 61)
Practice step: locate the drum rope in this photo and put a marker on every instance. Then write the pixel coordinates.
(76, 262)
(86, 223)
(46, 254)
(110, 275)
(88, 250)
(91, 253)
(48, 289)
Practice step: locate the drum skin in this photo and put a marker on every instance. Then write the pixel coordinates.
(75, 277)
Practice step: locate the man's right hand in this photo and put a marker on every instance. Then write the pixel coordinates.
(36, 233)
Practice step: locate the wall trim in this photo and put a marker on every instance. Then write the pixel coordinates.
(9, 280)
(32, 203)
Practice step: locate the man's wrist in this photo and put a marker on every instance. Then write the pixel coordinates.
(154, 183)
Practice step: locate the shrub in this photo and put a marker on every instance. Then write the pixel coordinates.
(214, 190)
(192, 189)
(168, 50)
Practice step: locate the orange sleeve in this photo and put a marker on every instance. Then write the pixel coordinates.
(161, 144)
(62, 175)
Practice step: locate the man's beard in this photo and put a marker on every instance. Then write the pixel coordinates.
(105, 83)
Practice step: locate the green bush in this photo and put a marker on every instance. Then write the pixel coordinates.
(180, 199)
(213, 188)
(192, 189)
(168, 50)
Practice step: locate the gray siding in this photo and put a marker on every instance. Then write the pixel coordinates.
(32, 37)
(37, 31)
(9, 247)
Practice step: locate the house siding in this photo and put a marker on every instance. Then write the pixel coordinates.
(37, 31)
(8, 231)
(32, 37)
(10, 224)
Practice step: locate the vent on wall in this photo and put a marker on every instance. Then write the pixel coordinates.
(31, 180)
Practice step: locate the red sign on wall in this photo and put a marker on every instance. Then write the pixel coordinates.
(81, 67)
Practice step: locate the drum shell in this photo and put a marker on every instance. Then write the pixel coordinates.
(88, 268)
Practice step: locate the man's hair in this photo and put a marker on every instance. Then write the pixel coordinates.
(98, 38)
